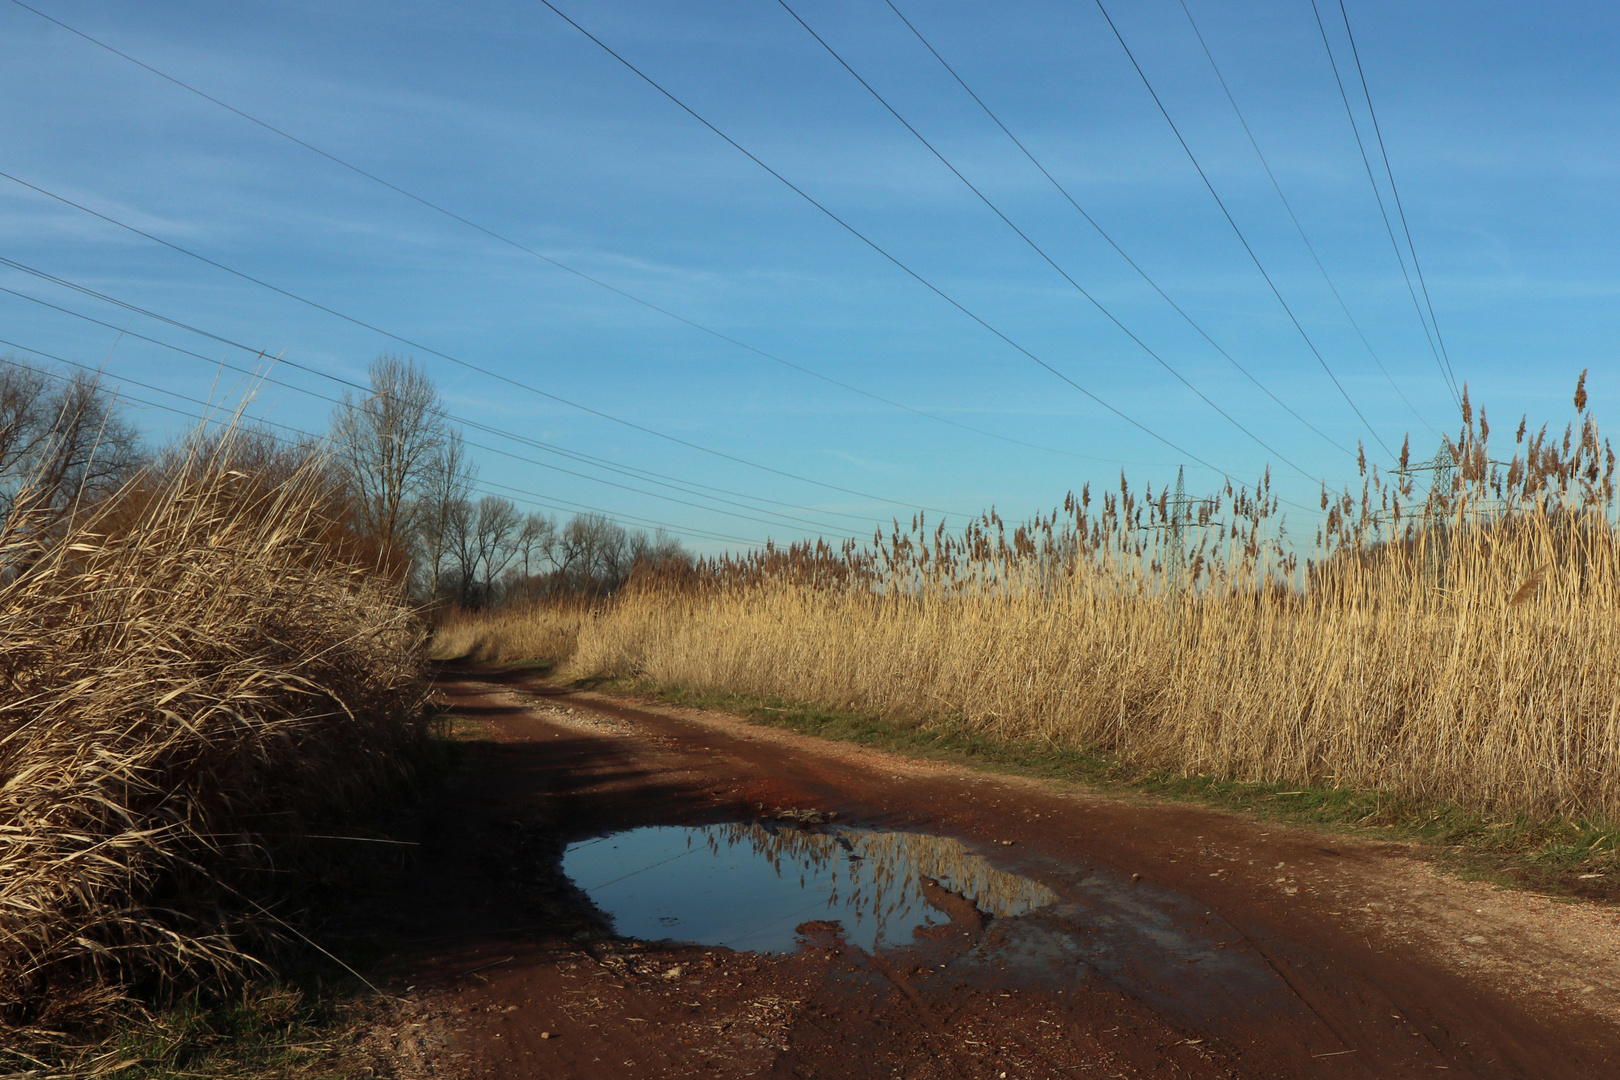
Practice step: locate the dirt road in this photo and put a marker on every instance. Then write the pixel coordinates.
(1184, 942)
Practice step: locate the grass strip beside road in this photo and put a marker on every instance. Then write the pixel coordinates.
(269, 1028)
(1559, 857)
(311, 1025)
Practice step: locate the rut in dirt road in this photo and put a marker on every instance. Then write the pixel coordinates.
(1166, 940)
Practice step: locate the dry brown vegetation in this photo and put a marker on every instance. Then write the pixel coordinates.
(192, 671)
(1456, 644)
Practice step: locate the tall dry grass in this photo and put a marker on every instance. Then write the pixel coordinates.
(545, 630)
(1459, 644)
(190, 672)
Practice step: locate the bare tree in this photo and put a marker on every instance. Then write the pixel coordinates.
(461, 529)
(447, 484)
(658, 549)
(22, 396)
(535, 542)
(498, 527)
(482, 544)
(388, 442)
(536, 550)
(593, 554)
(62, 439)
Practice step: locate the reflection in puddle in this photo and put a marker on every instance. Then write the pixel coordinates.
(748, 887)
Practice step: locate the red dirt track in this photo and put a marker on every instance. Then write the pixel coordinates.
(1186, 943)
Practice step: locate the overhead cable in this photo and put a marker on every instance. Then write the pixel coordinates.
(494, 235)
(283, 361)
(1022, 235)
(1395, 191)
(1299, 228)
(464, 363)
(863, 238)
(1062, 190)
(527, 440)
(1355, 129)
(1241, 238)
(311, 438)
(585, 459)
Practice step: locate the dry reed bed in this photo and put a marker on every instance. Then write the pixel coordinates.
(1465, 649)
(188, 674)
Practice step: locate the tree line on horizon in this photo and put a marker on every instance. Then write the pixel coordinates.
(398, 477)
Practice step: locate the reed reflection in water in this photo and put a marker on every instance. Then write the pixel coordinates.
(749, 886)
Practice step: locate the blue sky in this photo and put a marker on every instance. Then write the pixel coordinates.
(1499, 121)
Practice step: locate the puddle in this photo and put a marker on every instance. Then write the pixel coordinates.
(747, 886)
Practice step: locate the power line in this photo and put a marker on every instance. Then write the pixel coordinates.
(1241, 238)
(1355, 130)
(1041, 251)
(464, 363)
(532, 499)
(652, 494)
(527, 440)
(309, 437)
(1299, 228)
(491, 233)
(262, 377)
(434, 352)
(584, 458)
(1399, 209)
(523, 439)
(1033, 160)
(914, 275)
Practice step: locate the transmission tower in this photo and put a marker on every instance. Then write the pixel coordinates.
(1436, 520)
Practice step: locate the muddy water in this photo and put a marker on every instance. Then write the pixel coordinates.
(754, 888)
(749, 887)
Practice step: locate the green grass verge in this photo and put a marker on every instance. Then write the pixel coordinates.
(268, 1028)
(1555, 856)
